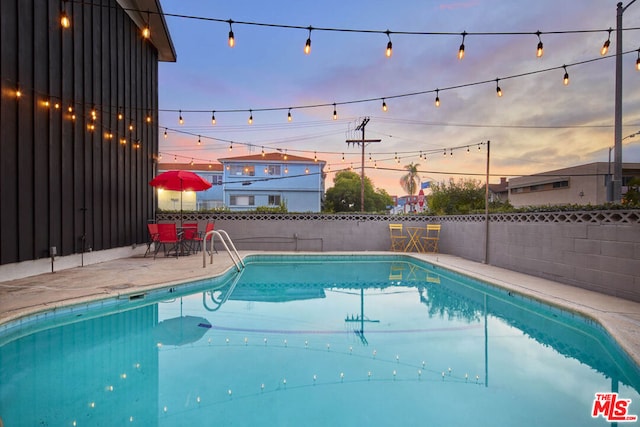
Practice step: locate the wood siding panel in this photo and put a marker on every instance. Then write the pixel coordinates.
(61, 184)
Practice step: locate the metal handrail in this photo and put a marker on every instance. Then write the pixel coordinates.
(220, 234)
(233, 246)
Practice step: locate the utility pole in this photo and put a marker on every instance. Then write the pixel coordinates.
(617, 155)
(362, 143)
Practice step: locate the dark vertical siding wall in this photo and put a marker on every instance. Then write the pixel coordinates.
(62, 184)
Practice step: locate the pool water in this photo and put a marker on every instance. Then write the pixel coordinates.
(315, 341)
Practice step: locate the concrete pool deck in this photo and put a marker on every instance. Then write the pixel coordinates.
(30, 295)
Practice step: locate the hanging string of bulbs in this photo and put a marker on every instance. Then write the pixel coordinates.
(539, 52)
(383, 100)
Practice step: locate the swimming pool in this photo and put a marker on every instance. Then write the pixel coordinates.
(314, 340)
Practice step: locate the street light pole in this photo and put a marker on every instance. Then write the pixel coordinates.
(617, 158)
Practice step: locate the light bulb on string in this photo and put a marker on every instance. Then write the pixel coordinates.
(540, 49)
(120, 115)
(213, 117)
(565, 79)
(289, 118)
(389, 50)
(180, 119)
(65, 22)
(498, 90)
(307, 46)
(165, 133)
(232, 40)
(231, 146)
(638, 61)
(461, 49)
(335, 112)
(149, 119)
(199, 141)
(250, 121)
(437, 97)
(262, 153)
(607, 43)
(146, 31)
(384, 105)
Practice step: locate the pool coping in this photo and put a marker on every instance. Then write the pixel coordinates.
(23, 298)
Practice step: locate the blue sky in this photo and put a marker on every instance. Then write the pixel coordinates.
(537, 125)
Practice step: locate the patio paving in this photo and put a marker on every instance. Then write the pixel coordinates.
(30, 295)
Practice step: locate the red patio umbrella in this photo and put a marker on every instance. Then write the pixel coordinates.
(180, 180)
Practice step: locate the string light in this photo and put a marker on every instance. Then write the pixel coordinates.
(232, 40)
(165, 133)
(498, 90)
(213, 117)
(389, 50)
(262, 152)
(307, 46)
(638, 61)
(461, 50)
(199, 141)
(437, 98)
(605, 46)
(540, 49)
(120, 115)
(565, 80)
(335, 112)
(180, 119)
(384, 105)
(149, 117)
(289, 118)
(231, 146)
(250, 117)
(65, 22)
(146, 31)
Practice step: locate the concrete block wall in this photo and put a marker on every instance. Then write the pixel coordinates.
(596, 251)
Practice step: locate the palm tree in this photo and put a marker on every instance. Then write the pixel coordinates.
(411, 180)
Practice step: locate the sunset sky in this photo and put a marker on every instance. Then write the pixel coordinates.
(538, 124)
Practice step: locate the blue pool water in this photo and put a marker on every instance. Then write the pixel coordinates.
(314, 341)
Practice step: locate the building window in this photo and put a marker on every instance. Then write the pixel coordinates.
(215, 179)
(242, 170)
(274, 200)
(242, 200)
(274, 170)
(561, 184)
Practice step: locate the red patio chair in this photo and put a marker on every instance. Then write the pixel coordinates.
(168, 235)
(153, 237)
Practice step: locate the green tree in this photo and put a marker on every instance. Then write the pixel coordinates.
(632, 196)
(344, 196)
(411, 181)
(456, 198)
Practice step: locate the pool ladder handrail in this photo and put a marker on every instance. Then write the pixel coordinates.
(221, 234)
